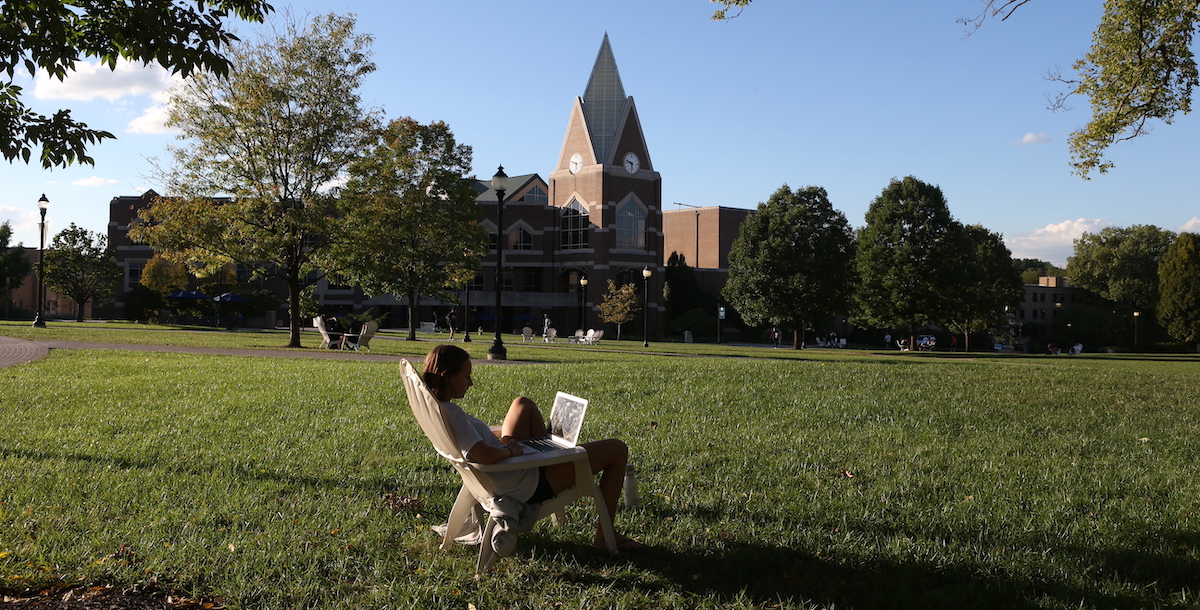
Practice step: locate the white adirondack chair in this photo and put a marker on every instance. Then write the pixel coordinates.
(477, 490)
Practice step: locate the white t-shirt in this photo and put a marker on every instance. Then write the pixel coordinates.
(468, 431)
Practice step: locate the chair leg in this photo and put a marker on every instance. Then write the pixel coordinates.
(456, 524)
(487, 556)
(610, 537)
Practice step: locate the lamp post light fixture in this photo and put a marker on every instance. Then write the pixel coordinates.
(38, 322)
(1136, 315)
(583, 301)
(646, 308)
(500, 185)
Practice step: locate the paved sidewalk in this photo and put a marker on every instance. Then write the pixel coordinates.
(19, 351)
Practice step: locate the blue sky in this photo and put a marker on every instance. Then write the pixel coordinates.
(842, 95)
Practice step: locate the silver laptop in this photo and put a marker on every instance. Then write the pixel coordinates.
(566, 419)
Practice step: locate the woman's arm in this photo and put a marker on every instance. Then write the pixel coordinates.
(484, 453)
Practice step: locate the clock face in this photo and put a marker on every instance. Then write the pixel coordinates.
(576, 163)
(632, 163)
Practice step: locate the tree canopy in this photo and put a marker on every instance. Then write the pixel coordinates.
(907, 257)
(408, 221)
(620, 305)
(987, 283)
(1121, 263)
(274, 135)
(184, 37)
(80, 266)
(1179, 288)
(792, 261)
(1141, 68)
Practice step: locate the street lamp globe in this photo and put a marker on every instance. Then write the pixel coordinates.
(646, 308)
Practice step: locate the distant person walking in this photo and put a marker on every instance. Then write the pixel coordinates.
(450, 322)
(546, 324)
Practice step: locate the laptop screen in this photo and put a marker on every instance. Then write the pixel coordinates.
(566, 417)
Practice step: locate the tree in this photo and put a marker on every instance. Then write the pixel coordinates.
(14, 266)
(285, 124)
(163, 275)
(906, 258)
(408, 223)
(1140, 68)
(620, 305)
(987, 286)
(1179, 289)
(52, 35)
(681, 290)
(1030, 269)
(80, 266)
(793, 261)
(1121, 264)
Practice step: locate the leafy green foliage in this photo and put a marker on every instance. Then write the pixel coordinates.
(80, 266)
(164, 275)
(620, 305)
(52, 35)
(408, 220)
(907, 257)
(1031, 269)
(792, 261)
(987, 284)
(14, 266)
(1121, 263)
(1179, 288)
(285, 124)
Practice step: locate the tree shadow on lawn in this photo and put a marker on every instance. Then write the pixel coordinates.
(766, 574)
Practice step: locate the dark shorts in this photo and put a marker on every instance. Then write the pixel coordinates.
(543, 491)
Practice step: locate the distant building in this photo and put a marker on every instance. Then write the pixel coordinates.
(703, 236)
(1046, 301)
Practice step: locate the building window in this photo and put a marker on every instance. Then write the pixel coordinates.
(631, 227)
(575, 223)
(134, 273)
(492, 240)
(520, 240)
(532, 280)
(536, 195)
(476, 282)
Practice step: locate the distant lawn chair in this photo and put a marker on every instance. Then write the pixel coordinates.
(841, 343)
(578, 337)
(527, 334)
(595, 337)
(550, 336)
(361, 340)
(327, 339)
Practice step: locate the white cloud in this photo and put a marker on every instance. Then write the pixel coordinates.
(1054, 242)
(1191, 226)
(92, 80)
(95, 181)
(153, 120)
(1033, 138)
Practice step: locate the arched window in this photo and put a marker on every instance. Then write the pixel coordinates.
(575, 221)
(520, 239)
(631, 226)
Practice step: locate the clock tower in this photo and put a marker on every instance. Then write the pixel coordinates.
(608, 194)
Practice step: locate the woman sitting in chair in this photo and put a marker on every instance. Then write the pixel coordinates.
(448, 375)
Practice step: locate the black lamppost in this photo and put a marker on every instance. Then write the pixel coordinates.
(646, 309)
(500, 185)
(583, 302)
(38, 322)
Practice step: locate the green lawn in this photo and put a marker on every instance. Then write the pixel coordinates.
(831, 479)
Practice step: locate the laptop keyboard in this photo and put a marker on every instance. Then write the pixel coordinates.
(541, 444)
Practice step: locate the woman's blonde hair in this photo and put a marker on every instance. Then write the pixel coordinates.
(442, 362)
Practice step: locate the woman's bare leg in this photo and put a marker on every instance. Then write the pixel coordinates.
(523, 421)
(608, 457)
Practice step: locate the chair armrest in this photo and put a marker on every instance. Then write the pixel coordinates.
(534, 460)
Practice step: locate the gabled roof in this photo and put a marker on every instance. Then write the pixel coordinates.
(515, 185)
(603, 100)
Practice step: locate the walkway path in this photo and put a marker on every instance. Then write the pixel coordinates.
(19, 351)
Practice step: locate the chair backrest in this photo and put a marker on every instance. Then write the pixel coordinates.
(579, 333)
(599, 334)
(320, 324)
(428, 411)
(551, 333)
(368, 331)
(528, 332)
(591, 333)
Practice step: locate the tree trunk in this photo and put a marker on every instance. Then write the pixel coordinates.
(294, 311)
(412, 322)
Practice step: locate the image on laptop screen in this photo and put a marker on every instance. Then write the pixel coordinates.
(566, 417)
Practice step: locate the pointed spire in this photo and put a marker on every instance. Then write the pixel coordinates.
(603, 100)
